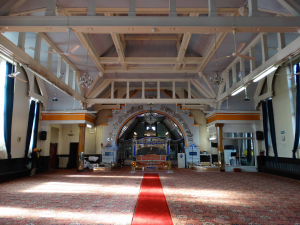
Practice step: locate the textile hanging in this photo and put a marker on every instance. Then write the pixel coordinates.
(265, 125)
(8, 107)
(272, 128)
(36, 124)
(29, 129)
(297, 125)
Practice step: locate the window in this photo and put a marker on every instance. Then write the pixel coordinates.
(3, 154)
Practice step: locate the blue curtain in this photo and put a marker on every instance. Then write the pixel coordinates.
(265, 124)
(8, 107)
(272, 128)
(29, 129)
(297, 125)
(36, 124)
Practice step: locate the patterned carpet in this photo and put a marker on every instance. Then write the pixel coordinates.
(68, 197)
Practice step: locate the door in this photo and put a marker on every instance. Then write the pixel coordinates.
(73, 155)
(53, 158)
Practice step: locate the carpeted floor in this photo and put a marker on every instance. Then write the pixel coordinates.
(68, 197)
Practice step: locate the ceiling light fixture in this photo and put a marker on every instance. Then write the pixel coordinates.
(237, 91)
(265, 73)
(70, 134)
(150, 116)
(217, 80)
(86, 80)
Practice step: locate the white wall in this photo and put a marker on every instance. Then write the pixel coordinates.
(203, 135)
(282, 117)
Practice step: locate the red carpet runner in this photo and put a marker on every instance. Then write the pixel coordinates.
(152, 206)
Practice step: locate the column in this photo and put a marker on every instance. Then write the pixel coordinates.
(234, 80)
(212, 6)
(172, 8)
(173, 89)
(264, 47)
(74, 80)
(51, 7)
(91, 8)
(131, 11)
(67, 74)
(21, 40)
(49, 59)
(189, 89)
(37, 48)
(59, 65)
(226, 76)
(158, 89)
(80, 162)
(219, 127)
(281, 41)
(143, 89)
(253, 8)
(252, 62)
(127, 90)
(112, 89)
(242, 67)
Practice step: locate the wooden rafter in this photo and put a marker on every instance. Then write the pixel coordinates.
(150, 60)
(184, 44)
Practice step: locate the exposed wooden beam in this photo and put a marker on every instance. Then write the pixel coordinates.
(253, 8)
(150, 60)
(206, 93)
(150, 38)
(119, 48)
(184, 44)
(275, 60)
(292, 6)
(99, 89)
(9, 6)
(11, 50)
(164, 25)
(92, 101)
(142, 69)
(208, 84)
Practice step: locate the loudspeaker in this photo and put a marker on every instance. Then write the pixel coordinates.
(259, 135)
(43, 135)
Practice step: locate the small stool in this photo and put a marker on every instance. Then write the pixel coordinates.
(237, 170)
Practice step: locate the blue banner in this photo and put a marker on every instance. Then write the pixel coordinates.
(193, 153)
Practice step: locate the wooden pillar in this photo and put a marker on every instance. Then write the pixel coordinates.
(74, 80)
(37, 48)
(173, 89)
(281, 41)
(219, 127)
(143, 89)
(50, 59)
(127, 90)
(112, 90)
(21, 40)
(158, 90)
(233, 69)
(253, 8)
(189, 89)
(67, 74)
(252, 62)
(59, 65)
(226, 77)
(80, 158)
(264, 47)
(242, 67)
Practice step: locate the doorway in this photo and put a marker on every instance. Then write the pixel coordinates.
(53, 154)
(73, 154)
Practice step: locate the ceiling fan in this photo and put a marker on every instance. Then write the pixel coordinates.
(69, 51)
(237, 51)
(291, 68)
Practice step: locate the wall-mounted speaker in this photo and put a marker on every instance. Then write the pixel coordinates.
(43, 135)
(259, 135)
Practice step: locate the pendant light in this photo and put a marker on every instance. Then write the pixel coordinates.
(55, 98)
(70, 134)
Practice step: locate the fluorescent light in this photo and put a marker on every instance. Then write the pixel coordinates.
(211, 139)
(237, 91)
(267, 72)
